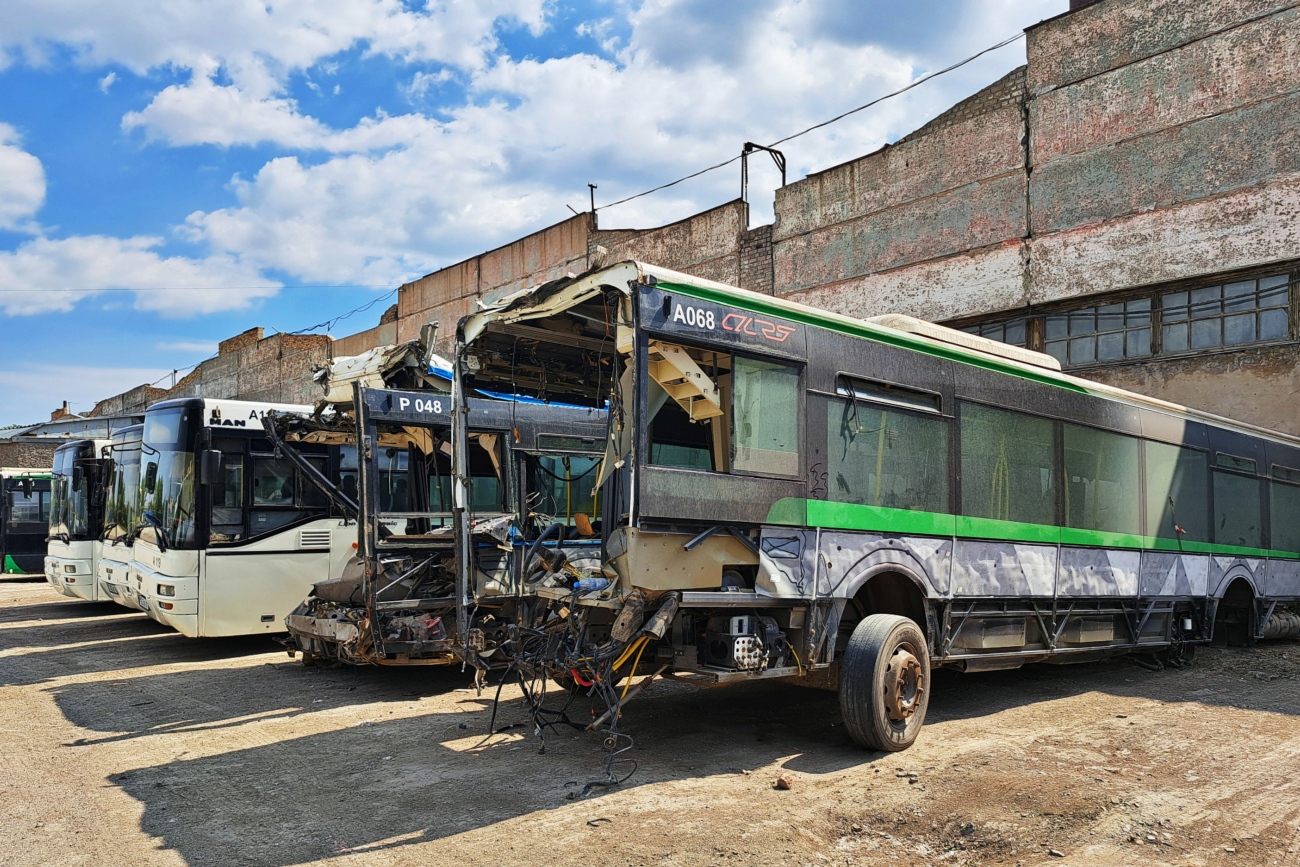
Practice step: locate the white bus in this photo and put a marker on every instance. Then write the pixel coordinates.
(121, 517)
(231, 538)
(76, 518)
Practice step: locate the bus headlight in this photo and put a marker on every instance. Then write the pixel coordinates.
(166, 589)
(69, 567)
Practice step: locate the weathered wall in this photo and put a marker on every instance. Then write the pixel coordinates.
(275, 369)
(31, 456)
(129, 402)
(888, 232)
(449, 294)
(1145, 142)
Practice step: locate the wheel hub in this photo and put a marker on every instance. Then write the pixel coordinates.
(904, 685)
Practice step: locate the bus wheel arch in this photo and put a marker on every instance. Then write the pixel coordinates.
(1234, 616)
(889, 588)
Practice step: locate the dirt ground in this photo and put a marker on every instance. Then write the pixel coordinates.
(126, 744)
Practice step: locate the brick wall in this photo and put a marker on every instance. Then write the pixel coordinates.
(31, 456)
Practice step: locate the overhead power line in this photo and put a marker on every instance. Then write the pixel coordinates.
(203, 288)
(922, 80)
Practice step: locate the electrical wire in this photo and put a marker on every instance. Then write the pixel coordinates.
(922, 80)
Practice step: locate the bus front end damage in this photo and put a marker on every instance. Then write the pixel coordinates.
(678, 587)
(400, 601)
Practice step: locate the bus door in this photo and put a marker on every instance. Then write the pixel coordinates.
(406, 533)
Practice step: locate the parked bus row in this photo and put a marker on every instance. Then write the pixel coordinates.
(639, 472)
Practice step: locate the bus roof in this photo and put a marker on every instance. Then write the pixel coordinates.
(559, 295)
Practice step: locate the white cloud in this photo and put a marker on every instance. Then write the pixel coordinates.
(32, 391)
(46, 275)
(404, 194)
(207, 347)
(532, 133)
(107, 81)
(22, 181)
(255, 41)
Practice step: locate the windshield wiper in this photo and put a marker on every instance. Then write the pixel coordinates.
(159, 532)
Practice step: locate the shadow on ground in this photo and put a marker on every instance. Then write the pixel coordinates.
(414, 780)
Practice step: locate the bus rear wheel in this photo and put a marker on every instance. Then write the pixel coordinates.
(884, 682)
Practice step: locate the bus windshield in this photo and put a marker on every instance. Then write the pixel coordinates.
(167, 486)
(69, 496)
(122, 491)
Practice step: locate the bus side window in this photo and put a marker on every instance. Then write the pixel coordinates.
(1177, 493)
(1006, 465)
(886, 457)
(273, 482)
(1100, 470)
(228, 499)
(1237, 519)
(310, 496)
(765, 417)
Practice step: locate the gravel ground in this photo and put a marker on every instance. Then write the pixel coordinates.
(125, 743)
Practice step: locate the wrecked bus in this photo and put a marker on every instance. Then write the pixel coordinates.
(530, 469)
(790, 493)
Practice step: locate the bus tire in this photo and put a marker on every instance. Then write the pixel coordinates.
(884, 682)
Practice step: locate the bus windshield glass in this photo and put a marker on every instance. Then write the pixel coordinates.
(167, 486)
(122, 494)
(69, 496)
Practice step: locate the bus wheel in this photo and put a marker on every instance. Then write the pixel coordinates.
(884, 682)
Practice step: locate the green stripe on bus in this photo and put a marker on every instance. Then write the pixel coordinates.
(11, 568)
(870, 332)
(793, 511)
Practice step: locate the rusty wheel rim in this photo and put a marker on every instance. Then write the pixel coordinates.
(904, 685)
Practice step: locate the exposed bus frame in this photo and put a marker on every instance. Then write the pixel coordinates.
(334, 625)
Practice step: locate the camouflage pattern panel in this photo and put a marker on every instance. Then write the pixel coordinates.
(1282, 579)
(847, 557)
(1098, 572)
(1166, 574)
(1003, 569)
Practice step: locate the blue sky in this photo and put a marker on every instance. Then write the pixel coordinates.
(174, 173)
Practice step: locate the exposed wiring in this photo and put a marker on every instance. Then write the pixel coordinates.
(797, 663)
(632, 672)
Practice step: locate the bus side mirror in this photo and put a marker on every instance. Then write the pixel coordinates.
(28, 487)
(151, 476)
(209, 467)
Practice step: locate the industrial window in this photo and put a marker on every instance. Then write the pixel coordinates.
(885, 457)
(1157, 323)
(1012, 331)
(1100, 470)
(1006, 466)
(1177, 493)
(1248, 311)
(1110, 332)
(1237, 510)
